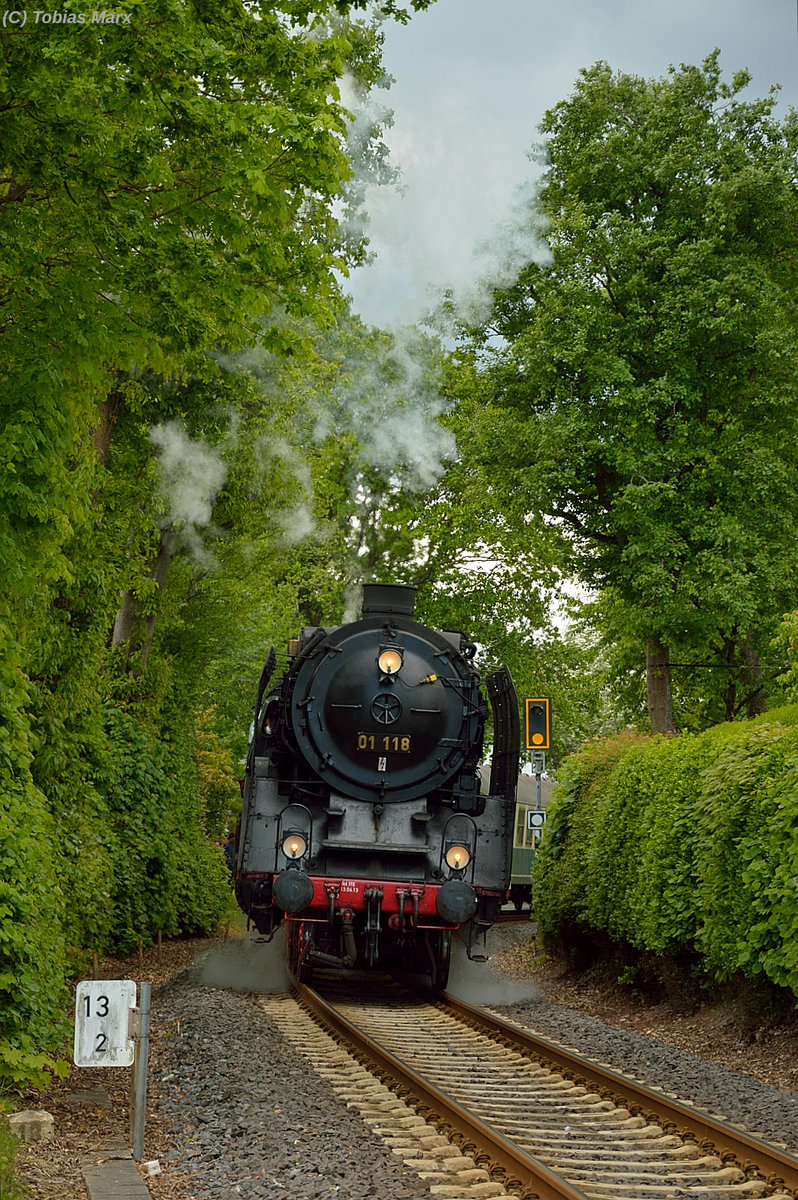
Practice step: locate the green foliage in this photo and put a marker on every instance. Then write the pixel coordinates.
(167, 878)
(144, 885)
(32, 952)
(785, 644)
(10, 1187)
(662, 915)
(87, 876)
(669, 844)
(561, 861)
(657, 332)
(202, 884)
(65, 631)
(388, 8)
(163, 189)
(748, 856)
(221, 796)
(167, 198)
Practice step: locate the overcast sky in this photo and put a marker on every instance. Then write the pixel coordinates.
(472, 81)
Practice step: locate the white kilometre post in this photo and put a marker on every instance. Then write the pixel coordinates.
(111, 1032)
(102, 1018)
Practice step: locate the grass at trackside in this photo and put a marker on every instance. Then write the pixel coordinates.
(10, 1187)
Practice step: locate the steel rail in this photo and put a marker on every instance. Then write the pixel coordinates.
(520, 1170)
(752, 1154)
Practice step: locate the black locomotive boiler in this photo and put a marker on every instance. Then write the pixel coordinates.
(364, 827)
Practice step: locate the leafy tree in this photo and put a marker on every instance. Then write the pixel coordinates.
(166, 189)
(164, 186)
(644, 394)
(708, 684)
(388, 8)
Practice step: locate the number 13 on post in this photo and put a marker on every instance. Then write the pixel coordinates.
(102, 1022)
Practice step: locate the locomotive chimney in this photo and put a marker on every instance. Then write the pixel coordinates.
(388, 598)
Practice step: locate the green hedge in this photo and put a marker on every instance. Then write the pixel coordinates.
(167, 878)
(32, 906)
(120, 862)
(10, 1186)
(683, 843)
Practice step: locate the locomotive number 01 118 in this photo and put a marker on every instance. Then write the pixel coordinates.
(394, 744)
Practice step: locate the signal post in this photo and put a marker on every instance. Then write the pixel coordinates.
(537, 722)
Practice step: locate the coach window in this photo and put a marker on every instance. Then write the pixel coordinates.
(524, 836)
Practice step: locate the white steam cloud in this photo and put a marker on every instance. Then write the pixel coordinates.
(367, 154)
(295, 522)
(385, 407)
(465, 213)
(190, 476)
(516, 241)
(391, 404)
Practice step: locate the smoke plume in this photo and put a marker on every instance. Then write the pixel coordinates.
(390, 401)
(190, 476)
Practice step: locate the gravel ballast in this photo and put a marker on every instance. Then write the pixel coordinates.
(252, 1121)
(768, 1111)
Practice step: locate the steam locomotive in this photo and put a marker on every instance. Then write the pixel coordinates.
(364, 827)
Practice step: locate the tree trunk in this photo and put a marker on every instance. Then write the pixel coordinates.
(658, 687)
(755, 701)
(727, 657)
(125, 620)
(126, 631)
(108, 413)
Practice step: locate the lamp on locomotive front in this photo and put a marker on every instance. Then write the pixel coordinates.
(294, 847)
(390, 660)
(457, 858)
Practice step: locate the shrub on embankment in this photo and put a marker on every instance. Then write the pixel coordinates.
(680, 844)
(119, 859)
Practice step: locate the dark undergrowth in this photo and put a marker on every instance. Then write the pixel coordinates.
(675, 980)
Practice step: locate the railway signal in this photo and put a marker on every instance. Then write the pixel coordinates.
(538, 723)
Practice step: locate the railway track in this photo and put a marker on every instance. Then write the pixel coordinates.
(513, 918)
(485, 1108)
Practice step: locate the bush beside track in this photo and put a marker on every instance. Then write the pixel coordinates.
(680, 846)
(126, 860)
